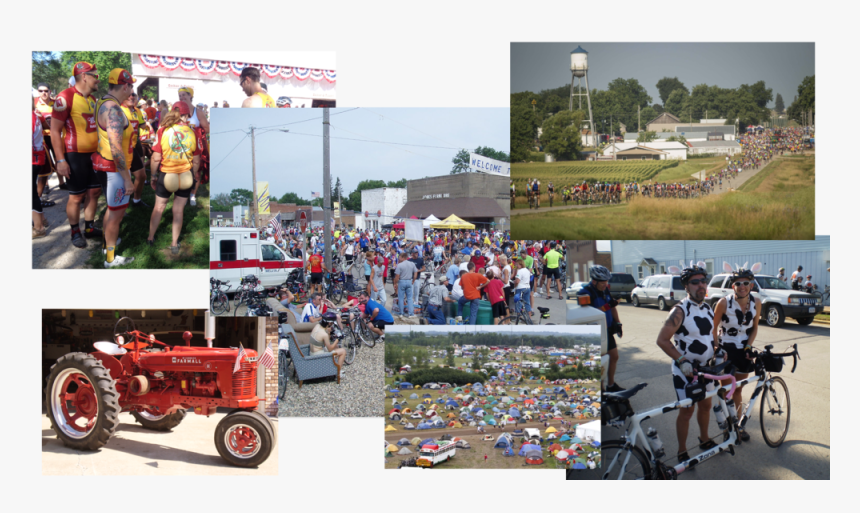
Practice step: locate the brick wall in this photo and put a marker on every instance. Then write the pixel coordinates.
(271, 383)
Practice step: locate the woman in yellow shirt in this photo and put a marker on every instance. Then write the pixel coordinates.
(177, 151)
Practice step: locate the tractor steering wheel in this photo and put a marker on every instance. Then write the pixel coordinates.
(127, 332)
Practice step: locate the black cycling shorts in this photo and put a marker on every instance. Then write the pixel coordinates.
(161, 192)
(611, 343)
(82, 176)
(553, 274)
(380, 324)
(37, 201)
(316, 278)
(738, 359)
(136, 158)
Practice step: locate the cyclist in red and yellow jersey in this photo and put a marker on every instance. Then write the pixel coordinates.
(138, 122)
(177, 150)
(249, 80)
(73, 124)
(44, 105)
(113, 157)
(200, 124)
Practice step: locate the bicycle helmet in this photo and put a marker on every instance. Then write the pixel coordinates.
(600, 273)
(688, 272)
(328, 319)
(284, 100)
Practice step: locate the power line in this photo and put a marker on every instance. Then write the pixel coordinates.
(390, 144)
(231, 151)
(379, 142)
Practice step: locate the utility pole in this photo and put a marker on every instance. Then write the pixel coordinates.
(254, 210)
(327, 191)
(339, 208)
(639, 124)
(614, 156)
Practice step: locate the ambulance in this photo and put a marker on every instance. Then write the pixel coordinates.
(235, 252)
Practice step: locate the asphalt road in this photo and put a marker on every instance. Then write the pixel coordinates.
(805, 454)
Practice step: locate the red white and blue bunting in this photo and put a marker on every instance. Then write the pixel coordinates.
(205, 67)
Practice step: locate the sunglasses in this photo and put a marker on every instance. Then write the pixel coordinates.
(742, 283)
(94, 75)
(44, 90)
(698, 281)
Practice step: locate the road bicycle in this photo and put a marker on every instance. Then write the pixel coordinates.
(551, 194)
(355, 332)
(256, 305)
(218, 302)
(521, 316)
(638, 455)
(247, 285)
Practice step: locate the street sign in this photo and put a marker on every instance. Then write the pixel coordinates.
(379, 213)
(366, 213)
(303, 221)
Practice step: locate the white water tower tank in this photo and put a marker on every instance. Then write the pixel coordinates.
(579, 62)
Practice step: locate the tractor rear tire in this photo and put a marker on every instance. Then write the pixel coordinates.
(240, 427)
(160, 423)
(94, 385)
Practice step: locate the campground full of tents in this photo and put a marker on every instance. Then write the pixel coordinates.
(566, 414)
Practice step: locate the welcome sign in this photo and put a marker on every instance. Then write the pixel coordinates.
(482, 164)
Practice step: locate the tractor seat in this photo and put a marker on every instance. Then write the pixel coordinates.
(624, 394)
(543, 309)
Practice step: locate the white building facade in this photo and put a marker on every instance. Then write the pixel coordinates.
(673, 150)
(381, 205)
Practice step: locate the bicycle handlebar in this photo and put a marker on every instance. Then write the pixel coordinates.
(720, 378)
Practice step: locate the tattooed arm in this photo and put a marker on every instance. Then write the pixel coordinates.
(719, 311)
(664, 338)
(116, 123)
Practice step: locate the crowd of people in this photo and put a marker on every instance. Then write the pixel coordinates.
(104, 145)
(449, 266)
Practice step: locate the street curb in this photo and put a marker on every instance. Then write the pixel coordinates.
(817, 321)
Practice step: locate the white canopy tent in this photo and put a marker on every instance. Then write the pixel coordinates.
(430, 220)
(591, 429)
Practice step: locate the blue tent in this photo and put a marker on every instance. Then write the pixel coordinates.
(425, 425)
(405, 385)
(425, 442)
(504, 442)
(508, 452)
(513, 412)
(427, 396)
(452, 403)
(529, 448)
(476, 409)
(595, 444)
(564, 438)
(578, 465)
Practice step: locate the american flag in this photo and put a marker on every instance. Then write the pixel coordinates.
(241, 355)
(315, 194)
(268, 358)
(275, 224)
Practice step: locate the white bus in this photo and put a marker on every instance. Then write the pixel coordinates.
(432, 454)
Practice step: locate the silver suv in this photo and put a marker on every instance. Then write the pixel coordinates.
(663, 290)
(778, 300)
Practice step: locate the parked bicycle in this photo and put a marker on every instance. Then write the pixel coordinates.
(218, 302)
(521, 316)
(247, 285)
(638, 455)
(355, 332)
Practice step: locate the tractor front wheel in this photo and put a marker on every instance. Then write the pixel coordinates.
(82, 402)
(243, 439)
(150, 419)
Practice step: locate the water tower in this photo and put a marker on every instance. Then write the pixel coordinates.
(579, 69)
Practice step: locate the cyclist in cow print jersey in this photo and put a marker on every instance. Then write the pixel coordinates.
(691, 324)
(738, 315)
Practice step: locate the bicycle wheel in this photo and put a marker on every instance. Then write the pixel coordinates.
(621, 462)
(364, 333)
(336, 293)
(775, 412)
(283, 373)
(220, 304)
(350, 352)
(506, 320)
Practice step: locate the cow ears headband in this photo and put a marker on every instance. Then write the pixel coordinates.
(727, 267)
(677, 270)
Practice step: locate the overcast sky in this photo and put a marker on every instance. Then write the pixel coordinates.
(293, 162)
(782, 66)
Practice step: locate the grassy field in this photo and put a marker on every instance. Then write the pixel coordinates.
(778, 203)
(570, 173)
(134, 230)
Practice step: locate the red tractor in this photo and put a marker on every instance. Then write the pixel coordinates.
(87, 392)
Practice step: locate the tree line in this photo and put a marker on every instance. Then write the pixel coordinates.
(625, 101)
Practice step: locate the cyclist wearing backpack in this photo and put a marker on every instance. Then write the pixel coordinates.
(598, 291)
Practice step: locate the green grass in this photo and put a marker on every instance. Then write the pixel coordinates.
(779, 205)
(823, 317)
(134, 230)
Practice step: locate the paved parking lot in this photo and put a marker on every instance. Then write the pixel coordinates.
(805, 454)
(134, 451)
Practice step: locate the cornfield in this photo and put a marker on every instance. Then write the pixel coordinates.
(572, 173)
